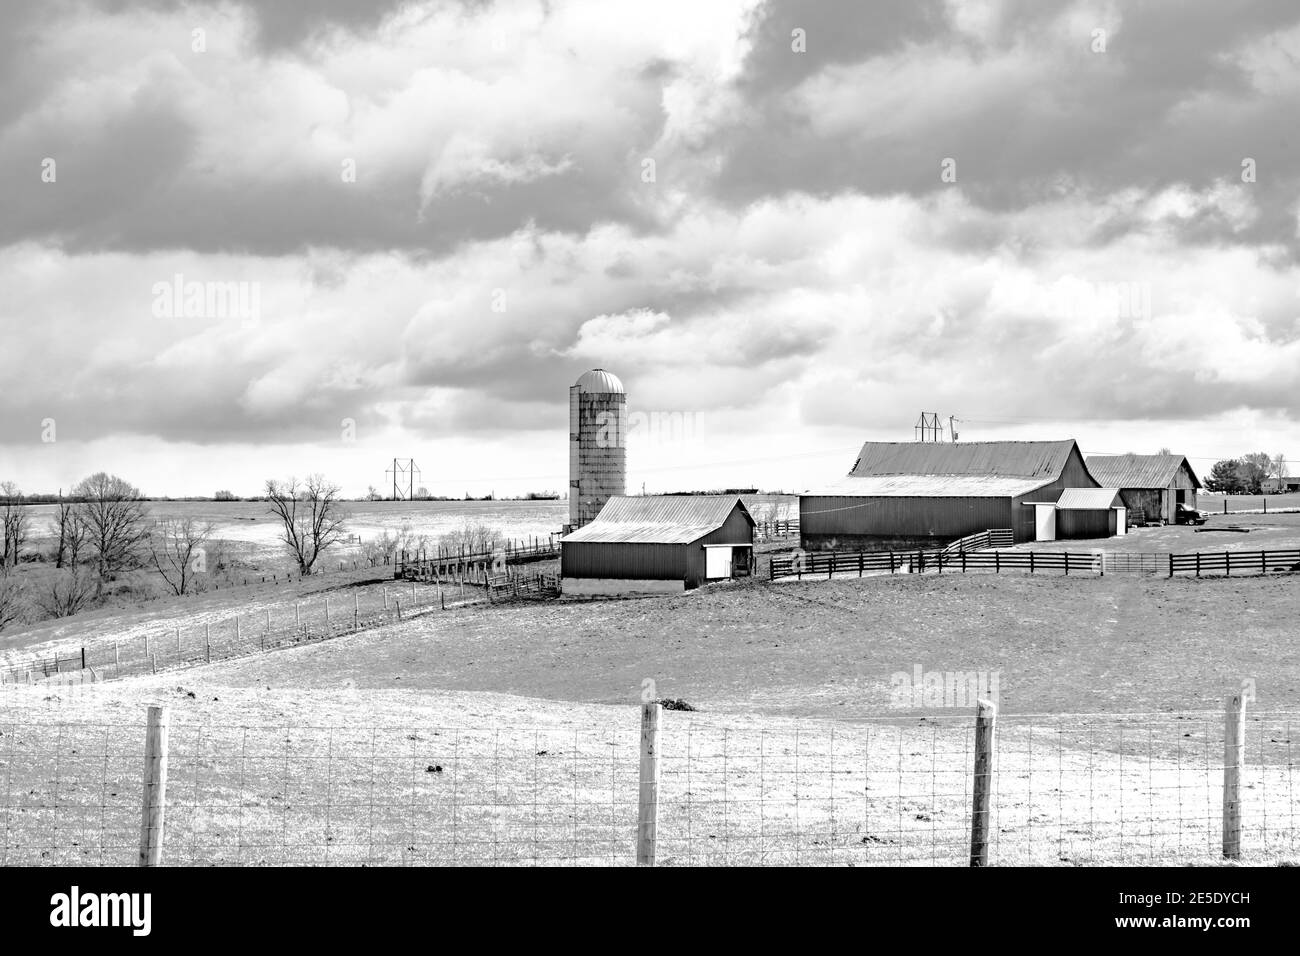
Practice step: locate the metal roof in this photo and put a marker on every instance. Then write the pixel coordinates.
(1005, 459)
(658, 519)
(600, 381)
(1089, 499)
(1138, 471)
(929, 486)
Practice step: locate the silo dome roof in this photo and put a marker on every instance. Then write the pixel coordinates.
(599, 381)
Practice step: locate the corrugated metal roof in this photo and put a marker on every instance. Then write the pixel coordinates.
(1005, 459)
(1138, 471)
(1089, 499)
(658, 519)
(929, 486)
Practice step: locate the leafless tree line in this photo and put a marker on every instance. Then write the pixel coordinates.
(103, 529)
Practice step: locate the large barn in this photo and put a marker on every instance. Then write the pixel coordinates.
(918, 494)
(1152, 486)
(658, 544)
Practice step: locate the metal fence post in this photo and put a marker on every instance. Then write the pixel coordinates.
(1234, 756)
(155, 787)
(985, 718)
(648, 806)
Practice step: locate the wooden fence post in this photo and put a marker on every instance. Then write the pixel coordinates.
(648, 806)
(155, 787)
(985, 717)
(207, 643)
(1234, 756)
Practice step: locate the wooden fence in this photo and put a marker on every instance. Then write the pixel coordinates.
(1241, 562)
(437, 563)
(770, 530)
(827, 564)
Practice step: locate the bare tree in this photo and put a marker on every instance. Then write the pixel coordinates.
(11, 599)
(13, 521)
(70, 534)
(474, 537)
(311, 515)
(113, 512)
(178, 550)
(68, 592)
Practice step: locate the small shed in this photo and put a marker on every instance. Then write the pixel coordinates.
(1152, 486)
(1079, 513)
(658, 544)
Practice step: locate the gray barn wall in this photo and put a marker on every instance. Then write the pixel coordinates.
(1085, 524)
(886, 523)
(600, 559)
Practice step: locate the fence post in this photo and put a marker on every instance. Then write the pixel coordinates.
(155, 787)
(356, 610)
(83, 657)
(986, 713)
(648, 807)
(115, 653)
(207, 643)
(1234, 756)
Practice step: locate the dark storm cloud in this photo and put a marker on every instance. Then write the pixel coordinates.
(1100, 121)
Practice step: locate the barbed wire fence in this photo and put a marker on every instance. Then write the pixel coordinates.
(1170, 788)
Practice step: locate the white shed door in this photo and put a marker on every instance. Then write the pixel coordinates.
(1121, 521)
(717, 563)
(1045, 522)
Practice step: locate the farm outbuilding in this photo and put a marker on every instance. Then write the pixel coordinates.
(1079, 513)
(1285, 485)
(902, 495)
(658, 544)
(1152, 486)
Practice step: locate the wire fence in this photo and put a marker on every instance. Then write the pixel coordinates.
(1067, 790)
(319, 617)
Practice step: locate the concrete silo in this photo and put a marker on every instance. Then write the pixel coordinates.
(597, 444)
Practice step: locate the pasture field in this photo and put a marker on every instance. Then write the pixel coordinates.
(1213, 503)
(829, 649)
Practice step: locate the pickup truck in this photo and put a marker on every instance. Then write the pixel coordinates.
(1186, 514)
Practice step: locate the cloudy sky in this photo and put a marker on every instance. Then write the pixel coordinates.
(788, 227)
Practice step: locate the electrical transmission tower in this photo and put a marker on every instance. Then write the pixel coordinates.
(404, 475)
(928, 427)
